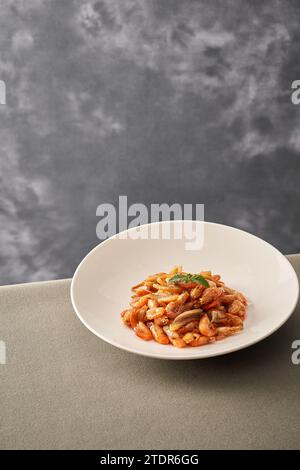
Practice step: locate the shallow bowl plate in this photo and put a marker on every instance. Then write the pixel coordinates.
(100, 288)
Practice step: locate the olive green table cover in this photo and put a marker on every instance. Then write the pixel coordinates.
(63, 388)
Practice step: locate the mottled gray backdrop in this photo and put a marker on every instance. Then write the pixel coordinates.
(161, 100)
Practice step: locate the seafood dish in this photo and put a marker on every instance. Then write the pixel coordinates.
(184, 309)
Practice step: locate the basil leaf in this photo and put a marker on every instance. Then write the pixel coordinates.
(180, 278)
(189, 278)
(200, 279)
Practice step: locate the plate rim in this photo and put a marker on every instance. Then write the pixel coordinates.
(179, 358)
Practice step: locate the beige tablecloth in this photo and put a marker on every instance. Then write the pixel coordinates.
(62, 387)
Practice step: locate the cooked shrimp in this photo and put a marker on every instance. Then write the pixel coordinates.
(143, 331)
(176, 270)
(154, 313)
(196, 292)
(126, 317)
(137, 315)
(236, 307)
(206, 328)
(167, 298)
(190, 326)
(227, 299)
(217, 316)
(188, 337)
(200, 341)
(176, 307)
(154, 277)
(169, 289)
(232, 320)
(161, 321)
(241, 298)
(152, 303)
(228, 330)
(210, 294)
(174, 338)
(158, 333)
(142, 301)
(194, 339)
(142, 290)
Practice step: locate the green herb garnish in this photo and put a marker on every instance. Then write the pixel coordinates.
(189, 278)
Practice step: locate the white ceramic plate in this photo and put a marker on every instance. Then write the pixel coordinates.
(101, 285)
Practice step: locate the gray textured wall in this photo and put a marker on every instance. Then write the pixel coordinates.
(160, 100)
